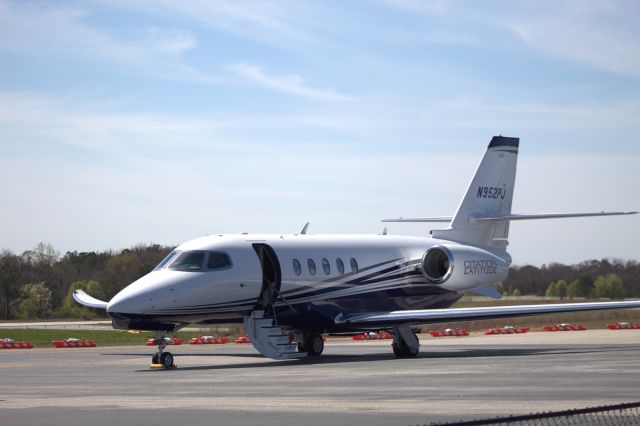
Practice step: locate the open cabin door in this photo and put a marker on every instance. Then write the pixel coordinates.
(271, 277)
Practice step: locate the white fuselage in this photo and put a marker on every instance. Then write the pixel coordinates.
(320, 273)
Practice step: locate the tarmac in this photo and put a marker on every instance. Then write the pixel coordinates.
(352, 383)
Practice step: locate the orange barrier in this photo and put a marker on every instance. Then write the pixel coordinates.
(507, 330)
(7, 343)
(242, 339)
(383, 335)
(208, 340)
(623, 326)
(449, 332)
(167, 341)
(564, 327)
(74, 343)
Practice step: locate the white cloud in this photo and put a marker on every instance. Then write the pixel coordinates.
(66, 33)
(476, 112)
(76, 122)
(281, 24)
(433, 7)
(603, 35)
(291, 84)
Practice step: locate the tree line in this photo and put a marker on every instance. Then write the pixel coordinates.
(37, 284)
(595, 279)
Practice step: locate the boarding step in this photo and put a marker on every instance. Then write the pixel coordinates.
(268, 338)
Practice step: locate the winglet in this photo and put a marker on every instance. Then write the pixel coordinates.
(84, 299)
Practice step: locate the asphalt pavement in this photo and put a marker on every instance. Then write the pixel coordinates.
(351, 384)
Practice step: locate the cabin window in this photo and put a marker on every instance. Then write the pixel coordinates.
(218, 260)
(164, 262)
(354, 265)
(325, 266)
(296, 267)
(340, 266)
(188, 261)
(312, 266)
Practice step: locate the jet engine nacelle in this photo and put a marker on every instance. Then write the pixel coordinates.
(461, 268)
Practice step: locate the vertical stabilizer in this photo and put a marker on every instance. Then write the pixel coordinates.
(489, 195)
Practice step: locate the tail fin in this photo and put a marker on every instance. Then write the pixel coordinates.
(489, 195)
(483, 217)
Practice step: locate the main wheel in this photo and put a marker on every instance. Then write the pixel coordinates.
(166, 359)
(402, 350)
(314, 344)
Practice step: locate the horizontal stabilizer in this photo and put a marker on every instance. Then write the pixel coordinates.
(84, 299)
(432, 316)
(420, 219)
(545, 216)
(508, 217)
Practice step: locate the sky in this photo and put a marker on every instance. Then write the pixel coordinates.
(156, 121)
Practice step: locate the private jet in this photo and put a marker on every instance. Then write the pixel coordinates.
(290, 289)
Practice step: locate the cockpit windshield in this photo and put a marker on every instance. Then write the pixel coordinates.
(164, 262)
(195, 261)
(188, 261)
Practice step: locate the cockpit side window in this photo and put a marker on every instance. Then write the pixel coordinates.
(218, 260)
(164, 262)
(188, 261)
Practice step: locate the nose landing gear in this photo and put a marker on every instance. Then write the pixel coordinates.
(161, 359)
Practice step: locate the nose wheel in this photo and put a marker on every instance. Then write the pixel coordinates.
(161, 359)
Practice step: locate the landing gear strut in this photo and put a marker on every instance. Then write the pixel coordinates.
(161, 359)
(312, 344)
(405, 342)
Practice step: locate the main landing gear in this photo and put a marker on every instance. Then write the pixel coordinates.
(405, 342)
(161, 359)
(312, 344)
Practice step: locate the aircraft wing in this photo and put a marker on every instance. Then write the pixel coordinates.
(84, 299)
(431, 316)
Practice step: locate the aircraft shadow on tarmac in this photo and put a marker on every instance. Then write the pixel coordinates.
(387, 357)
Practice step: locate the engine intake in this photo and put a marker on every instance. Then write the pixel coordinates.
(437, 264)
(461, 268)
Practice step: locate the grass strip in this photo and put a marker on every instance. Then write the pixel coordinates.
(44, 337)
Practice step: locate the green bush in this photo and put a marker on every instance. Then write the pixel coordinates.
(71, 309)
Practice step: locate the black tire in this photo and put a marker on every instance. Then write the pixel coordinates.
(155, 359)
(314, 344)
(166, 359)
(402, 350)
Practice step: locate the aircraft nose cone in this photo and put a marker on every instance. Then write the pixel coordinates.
(127, 311)
(119, 304)
(129, 302)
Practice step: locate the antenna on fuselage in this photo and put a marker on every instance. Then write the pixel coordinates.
(304, 230)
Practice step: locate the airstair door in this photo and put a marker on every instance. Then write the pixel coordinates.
(271, 278)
